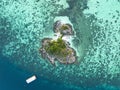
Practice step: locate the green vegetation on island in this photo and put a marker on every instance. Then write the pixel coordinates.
(64, 27)
(58, 48)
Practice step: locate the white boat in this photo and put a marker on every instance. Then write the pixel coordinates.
(31, 79)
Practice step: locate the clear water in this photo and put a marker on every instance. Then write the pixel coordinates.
(24, 23)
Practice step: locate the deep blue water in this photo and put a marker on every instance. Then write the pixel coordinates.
(13, 78)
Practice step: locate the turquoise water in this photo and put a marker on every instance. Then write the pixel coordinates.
(24, 23)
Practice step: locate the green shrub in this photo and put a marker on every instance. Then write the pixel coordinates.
(57, 48)
(64, 27)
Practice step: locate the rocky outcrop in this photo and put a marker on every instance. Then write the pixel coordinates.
(63, 28)
(52, 48)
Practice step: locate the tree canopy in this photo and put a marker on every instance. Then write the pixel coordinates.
(57, 47)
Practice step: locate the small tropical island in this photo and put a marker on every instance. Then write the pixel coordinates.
(59, 49)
